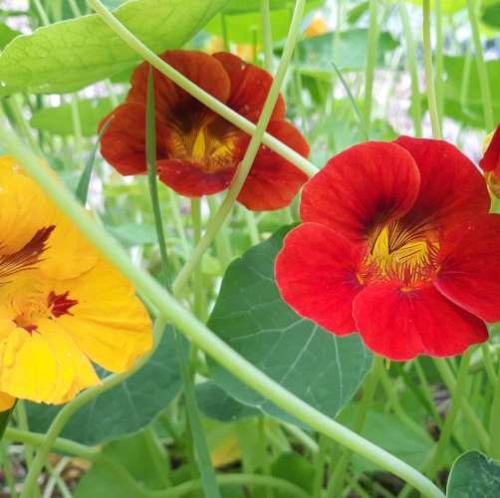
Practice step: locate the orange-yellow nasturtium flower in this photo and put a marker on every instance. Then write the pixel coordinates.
(62, 305)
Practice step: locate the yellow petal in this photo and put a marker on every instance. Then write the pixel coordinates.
(43, 366)
(109, 323)
(6, 402)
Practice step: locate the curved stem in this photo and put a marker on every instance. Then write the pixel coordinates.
(71, 408)
(482, 70)
(204, 97)
(289, 489)
(244, 167)
(429, 71)
(60, 444)
(197, 332)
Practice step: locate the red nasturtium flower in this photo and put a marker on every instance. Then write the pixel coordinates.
(396, 243)
(490, 163)
(62, 305)
(197, 150)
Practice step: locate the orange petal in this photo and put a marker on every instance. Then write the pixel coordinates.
(6, 402)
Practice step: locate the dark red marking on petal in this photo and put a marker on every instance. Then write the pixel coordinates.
(28, 256)
(401, 325)
(316, 273)
(60, 304)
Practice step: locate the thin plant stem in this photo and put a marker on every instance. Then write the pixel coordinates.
(439, 60)
(210, 487)
(77, 128)
(286, 487)
(429, 71)
(60, 444)
(169, 308)
(469, 413)
(244, 167)
(204, 97)
(411, 50)
(494, 449)
(371, 383)
(482, 70)
(267, 34)
(41, 12)
(225, 38)
(371, 62)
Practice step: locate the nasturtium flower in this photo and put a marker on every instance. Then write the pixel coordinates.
(396, 243)
(490, 163)
(63, 307)
(197, 150)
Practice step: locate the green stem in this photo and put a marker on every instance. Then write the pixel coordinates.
(244, 167)
(411, 51)
(60, 444)
(337, 479)
(77, 128)
(371, 62)
(196, 331)
(209, 481)
(62, 417)
(454, 387)
(41, 12)
(439, 60)
(287, 488)
(482, 70)
(265, 15)
(429, 71)
(494, 449)
(204, 97)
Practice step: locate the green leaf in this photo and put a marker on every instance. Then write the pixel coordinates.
(215, 403)
(388, 432)
(347, 50)
(125, 409)
(491, 15)
(250, 315)
(6, 35)
(70, 55)
(58, 120)
(474, 475)
(294, 468)
(244, 22)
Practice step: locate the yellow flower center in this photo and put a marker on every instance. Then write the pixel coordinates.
(406, 253)
(209, 142)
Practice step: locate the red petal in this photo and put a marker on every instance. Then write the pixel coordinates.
(452, 189)
(316, 275)
(365, 185)
(249, 87)
(273, 181)
(123, 144)
(189, 180)
(491, 158)
(401, 325)
(202, 69)
(469, 272)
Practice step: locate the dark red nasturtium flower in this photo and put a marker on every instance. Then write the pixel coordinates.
(397, 244)
(197, 150)
(490, 163)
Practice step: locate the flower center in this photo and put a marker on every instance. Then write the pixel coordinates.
(206, 140)
(404, 253)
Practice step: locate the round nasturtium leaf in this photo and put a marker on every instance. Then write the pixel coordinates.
(250, 315)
